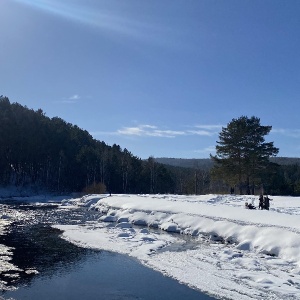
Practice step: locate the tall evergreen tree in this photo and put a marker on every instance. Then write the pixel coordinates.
(242, 153)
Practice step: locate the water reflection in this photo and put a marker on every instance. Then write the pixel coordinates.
(39, 248)
(35, 245)
(106, 276)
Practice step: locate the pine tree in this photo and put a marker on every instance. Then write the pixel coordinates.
(242, 153)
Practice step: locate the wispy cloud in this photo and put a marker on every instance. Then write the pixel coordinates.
(206, 130)
(107, 21)
(210, 149)
(295, 133)
(145, 130)
(74, 97)
(149, 130)
(201, 132)
(210, 127)
(69, 100)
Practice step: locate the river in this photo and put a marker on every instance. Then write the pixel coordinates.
(48, 267)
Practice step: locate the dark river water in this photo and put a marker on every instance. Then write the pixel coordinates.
(66, 271)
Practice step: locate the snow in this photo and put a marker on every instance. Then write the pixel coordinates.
(208, 242)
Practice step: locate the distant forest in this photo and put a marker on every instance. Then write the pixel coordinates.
(207, 163)
(283, 178)
(51, 155)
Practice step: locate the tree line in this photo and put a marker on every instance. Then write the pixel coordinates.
(49, 154)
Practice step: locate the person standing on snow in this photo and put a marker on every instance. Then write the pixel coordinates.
(266, 203)
(261, 202)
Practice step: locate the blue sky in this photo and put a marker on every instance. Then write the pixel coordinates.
(159, 78)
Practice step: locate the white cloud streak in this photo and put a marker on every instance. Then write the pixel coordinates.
(294, 133)
(70, 100)
(149, 130)
(210, 149)
(197, 130)
(153, 131)
(74, 97)
(210, 127)
(201, 132)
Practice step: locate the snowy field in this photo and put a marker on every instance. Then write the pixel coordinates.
(210, 242)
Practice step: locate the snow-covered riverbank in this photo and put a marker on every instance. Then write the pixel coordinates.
(236, 253)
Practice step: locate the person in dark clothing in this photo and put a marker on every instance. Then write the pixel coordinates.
(261, 202)
(266, 203)
(249, 206)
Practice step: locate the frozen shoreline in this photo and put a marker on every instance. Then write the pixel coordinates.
(240, 254)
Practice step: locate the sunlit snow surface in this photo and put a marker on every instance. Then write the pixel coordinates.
(232, 252)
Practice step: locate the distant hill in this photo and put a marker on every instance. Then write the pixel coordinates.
(286, 160)
(194, 163)
(207, 163)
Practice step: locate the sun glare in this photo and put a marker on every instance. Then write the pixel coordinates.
(104, 20)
